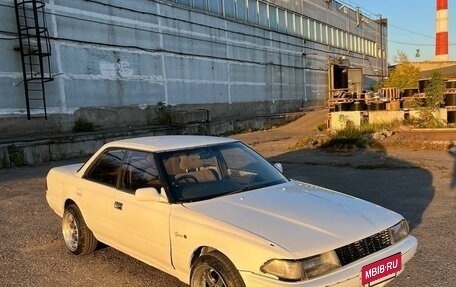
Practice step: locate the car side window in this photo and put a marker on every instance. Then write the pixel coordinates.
(106, 167)
(139, 171)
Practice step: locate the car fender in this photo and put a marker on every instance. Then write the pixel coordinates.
(191, 230)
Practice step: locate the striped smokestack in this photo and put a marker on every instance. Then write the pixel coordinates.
(441, 36)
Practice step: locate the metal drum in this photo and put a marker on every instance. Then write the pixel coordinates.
(451, 85)
(409, 92)
(372, 107)
(450, 100)
(377, 106)
(343, 107)
(423, 84)
(381, 106)
(359, 106)
(451, 117)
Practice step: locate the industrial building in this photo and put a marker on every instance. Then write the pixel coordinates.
(401, 103)
(112, 62)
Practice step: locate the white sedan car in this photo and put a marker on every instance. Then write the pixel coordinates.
(212, 212)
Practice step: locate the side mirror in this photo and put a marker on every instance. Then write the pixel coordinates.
(147, 194)
(279, 167)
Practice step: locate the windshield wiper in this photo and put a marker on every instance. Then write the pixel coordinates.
(248, 187)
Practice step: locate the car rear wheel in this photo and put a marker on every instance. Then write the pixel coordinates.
(77, 236)
(215, 270)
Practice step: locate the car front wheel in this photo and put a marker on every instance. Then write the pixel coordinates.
(78, 237)
(215, 270)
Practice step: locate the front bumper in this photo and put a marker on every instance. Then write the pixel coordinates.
(347, 276)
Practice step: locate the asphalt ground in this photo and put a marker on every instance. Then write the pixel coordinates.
(418, 184)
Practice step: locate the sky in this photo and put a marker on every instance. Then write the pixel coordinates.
(411, 26)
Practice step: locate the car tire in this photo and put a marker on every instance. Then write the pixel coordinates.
(215, 269)
(78, 238)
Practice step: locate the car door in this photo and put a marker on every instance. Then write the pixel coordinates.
(143, 226)
(96, 192)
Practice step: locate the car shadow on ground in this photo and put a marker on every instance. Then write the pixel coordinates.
(371, 175)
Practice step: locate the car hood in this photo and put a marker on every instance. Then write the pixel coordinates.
(304, 219)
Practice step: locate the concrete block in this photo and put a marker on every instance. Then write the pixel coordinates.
(35, 154)
(201, 93)
(142, 5)
(381, 117)
(192, 116)
(414, 114)
(12, 95)
(19, 125)
(221, 127)
(340, 120)
(195, 46)
(194, 69)
(441, 114)
(95, 63)
(78, 148)
(248, 73)
(4, 157)
(109, 93)
(250, 93)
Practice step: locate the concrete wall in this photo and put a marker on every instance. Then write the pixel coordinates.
(114, 61)
(37, 150)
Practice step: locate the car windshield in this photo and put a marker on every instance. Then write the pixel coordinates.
(212, 171)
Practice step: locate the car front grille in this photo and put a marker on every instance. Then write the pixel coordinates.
(362, 248)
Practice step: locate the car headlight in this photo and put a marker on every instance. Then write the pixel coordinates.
(284, 269)
(307, 268)
(399, 231)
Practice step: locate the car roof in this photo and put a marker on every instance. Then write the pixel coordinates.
(169, 143)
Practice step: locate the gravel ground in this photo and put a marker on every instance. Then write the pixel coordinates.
(32, 251)
(418, 184)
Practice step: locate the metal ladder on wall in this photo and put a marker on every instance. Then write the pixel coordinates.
(35, 51)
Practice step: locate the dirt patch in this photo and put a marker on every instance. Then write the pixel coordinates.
(421, 139)
(304, 133)
(278, 140)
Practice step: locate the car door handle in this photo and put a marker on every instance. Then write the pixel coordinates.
(118, 205)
